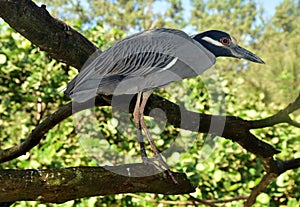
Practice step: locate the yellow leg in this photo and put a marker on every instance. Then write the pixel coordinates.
(145, 97)
(137, 118)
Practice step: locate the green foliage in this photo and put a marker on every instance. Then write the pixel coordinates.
(31, 85)
(282, 63)
(237, 17)
(124, 15)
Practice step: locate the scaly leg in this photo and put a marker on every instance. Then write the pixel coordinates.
(159, 158)
(136, 118)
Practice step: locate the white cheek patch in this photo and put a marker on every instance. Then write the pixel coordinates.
(212, 41)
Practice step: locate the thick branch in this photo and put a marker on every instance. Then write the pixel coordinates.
(229, 127)
(61, 185)
(288, 165)
(235, 129)
(55, 37)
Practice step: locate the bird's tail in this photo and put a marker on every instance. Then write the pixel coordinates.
(70, 87)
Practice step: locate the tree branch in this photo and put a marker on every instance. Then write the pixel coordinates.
(37, 134)
(281, 117)
(53, 36)
(265, 181)
(79, 182)
(234, 125)
(288, 165)
(234, 128)
(213, 202)
(278, 168)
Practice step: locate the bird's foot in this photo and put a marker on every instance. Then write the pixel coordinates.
(151, 161)
(166, 166)
(161, 165)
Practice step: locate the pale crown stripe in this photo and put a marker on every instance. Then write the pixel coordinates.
(212, 41)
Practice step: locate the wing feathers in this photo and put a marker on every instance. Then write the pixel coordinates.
(137, 59)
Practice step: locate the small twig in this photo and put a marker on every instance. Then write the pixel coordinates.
(238, 198)
(281, 117)
(166, 202)
(265, 181)
(213, 202)
(192, 200)
(293, 106)
(294, 123)
(201, 201)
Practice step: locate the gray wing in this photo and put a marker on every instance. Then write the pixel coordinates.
(143, 61)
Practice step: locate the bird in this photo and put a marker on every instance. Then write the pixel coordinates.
(149, 60)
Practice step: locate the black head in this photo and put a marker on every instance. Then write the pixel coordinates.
(222, 44)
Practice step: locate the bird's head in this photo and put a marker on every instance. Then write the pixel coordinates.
(222, 44)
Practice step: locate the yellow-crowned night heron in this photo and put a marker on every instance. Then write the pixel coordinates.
(149, 60)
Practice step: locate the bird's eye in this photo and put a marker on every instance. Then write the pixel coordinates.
(225, 41)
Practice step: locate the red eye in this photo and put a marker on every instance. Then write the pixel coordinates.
(225, 41)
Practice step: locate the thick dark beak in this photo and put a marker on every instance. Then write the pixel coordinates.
(240, 52)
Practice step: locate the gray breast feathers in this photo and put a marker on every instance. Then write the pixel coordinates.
(143, 61)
